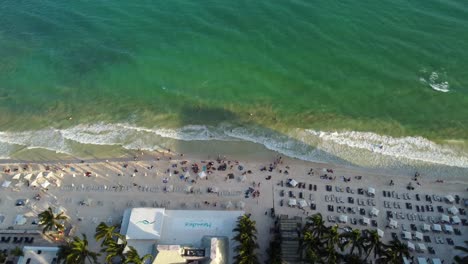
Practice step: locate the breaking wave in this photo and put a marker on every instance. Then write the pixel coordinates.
(347, 147)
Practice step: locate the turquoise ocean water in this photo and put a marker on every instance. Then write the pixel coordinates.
(299, 76)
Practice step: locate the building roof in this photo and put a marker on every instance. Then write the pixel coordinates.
(38, 255)
(145, 227)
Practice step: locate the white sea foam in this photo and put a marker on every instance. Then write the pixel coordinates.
(346, 147)
(434, 82)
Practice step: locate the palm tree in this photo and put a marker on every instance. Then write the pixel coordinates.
(316, 225)
(352, 238)
(105, 232)
(310, 245)
(50, 221)
(463, 259)
(132, 257)
(63, 251)
(247, 241)
(331, 239)
(371, 242)
(352, 259)
(80, 253)
(397, 250)
(115, 250)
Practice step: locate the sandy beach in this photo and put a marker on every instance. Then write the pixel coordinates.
(92, 191)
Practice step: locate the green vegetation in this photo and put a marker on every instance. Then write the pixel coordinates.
(322, 244)
(52, 222)
(246, 237)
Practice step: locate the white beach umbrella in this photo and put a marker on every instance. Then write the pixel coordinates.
(6, 184)
(343, 219)
(366, 220)
(293, 183)
(50, 175)
(292, 202)
(228, 205)
(302, 203)
(45, 184)
(188, 189)
(371, 190)
(450, 198)
(411, 246)
(419, 236)
(28, 177)
(448, 228)
(16, 177)
(456, 220)
(380, 232)
(241, 205)
(422, 260)
(202, 175)
(422, 247)
(453, 210)
(393, 223)
(374, 211)
(445, 218)
(20, 220)
(436, 228)
(426, 227)
(407, 235)
(243, 178)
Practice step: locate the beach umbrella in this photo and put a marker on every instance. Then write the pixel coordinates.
(45, 184)
(28, 177)
(343, 219)
(422, 260)
(380, 232)
(407, 235)
(448, 228)
(188, 189)
(243, 178)
(374, 211)
(214, 189)
(228, 205)
(411, 246)
(50, 175)
(456, 220)
(6, 184)
(450, 198)
(292, 202)
(445, 218)
(366, 220)
(202, 175)
(20, 220)
(419, 236)
(241, 205)
(453, 210)
(16, 177)
(436, 228)
(302, 203)
(426, 227)
(393, 223)
(422, 247)
(293, 183)
(371, 191)
(40, 175)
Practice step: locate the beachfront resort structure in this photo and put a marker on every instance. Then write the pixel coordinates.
(181, 236)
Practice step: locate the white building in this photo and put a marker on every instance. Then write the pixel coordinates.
(175, 236)
(39, 255)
